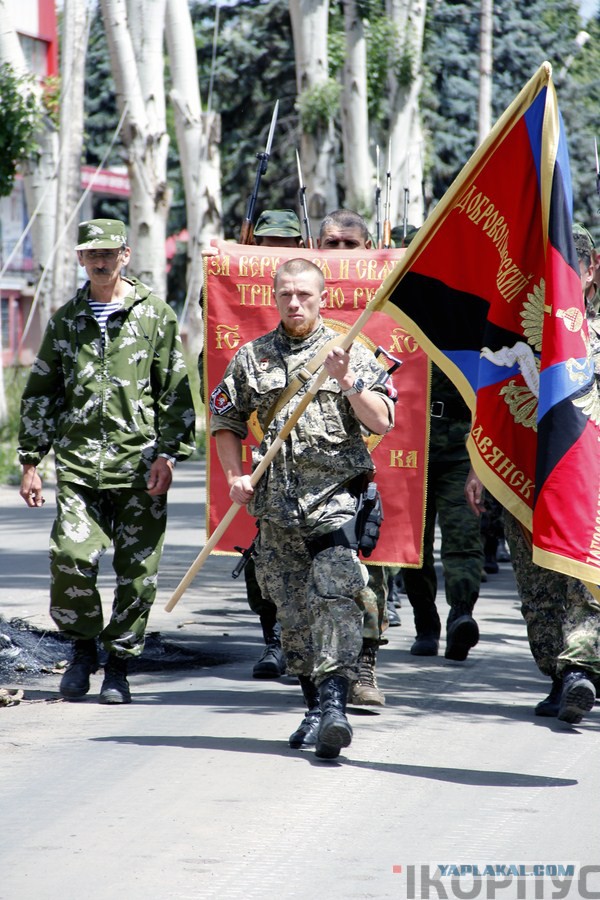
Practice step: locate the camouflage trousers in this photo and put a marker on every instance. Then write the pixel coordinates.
(318, 601)
(88, 521)
(562, 616)
(461, 549)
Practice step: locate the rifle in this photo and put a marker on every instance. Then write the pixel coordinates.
(247, 230)
(247, 555)
(302, 194)
(387, 224)
(378, 236)
(405, 217)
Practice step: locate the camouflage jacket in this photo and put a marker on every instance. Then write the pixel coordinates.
(325, 449)
(108, 408)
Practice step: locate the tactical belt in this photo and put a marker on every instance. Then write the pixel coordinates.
(450, 409)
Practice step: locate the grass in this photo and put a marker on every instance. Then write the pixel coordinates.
(14, 382)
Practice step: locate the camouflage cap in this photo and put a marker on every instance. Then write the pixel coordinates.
(578, 228)
(101, 234)
(278, 223)
(398, 238)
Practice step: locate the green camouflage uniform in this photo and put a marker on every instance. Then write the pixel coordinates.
(303, 495)
(461, 550)
(108, 408)
(562, 616)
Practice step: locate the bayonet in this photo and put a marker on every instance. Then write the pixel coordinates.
(246, 234)
(387, 223)
(378, 235)
(303, 205)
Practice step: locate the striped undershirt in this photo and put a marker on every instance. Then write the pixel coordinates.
(103, 310)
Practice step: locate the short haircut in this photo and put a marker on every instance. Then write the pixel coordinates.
(297, 266)
(345, 218)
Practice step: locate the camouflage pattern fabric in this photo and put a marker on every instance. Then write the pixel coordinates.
(318, 601)
(562, 616)
(87, 523)
(326, 447)
(108, 409)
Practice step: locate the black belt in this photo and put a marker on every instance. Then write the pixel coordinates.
(450, 409)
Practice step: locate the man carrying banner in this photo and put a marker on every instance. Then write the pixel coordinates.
(306, 502)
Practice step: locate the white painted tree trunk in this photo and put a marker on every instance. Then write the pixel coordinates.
(134, 30)
(358, 168)
(309, 20)
(485, 70)
(75, 32)
(406, 133)
(193, 138)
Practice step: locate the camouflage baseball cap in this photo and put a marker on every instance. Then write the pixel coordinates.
(278, 223)
(101, 234)
(398, 238)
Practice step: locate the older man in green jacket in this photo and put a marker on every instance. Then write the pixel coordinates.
(109, 392)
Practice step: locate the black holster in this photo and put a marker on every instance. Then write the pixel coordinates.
(361, 532)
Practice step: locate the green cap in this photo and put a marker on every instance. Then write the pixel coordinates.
(278, 223)
(101, 234)
(581, 229)
(398, 238)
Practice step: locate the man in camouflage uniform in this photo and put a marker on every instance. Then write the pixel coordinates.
(305, 561)
(274, 228)
(109, 392)
(562, 616)
(461, 549)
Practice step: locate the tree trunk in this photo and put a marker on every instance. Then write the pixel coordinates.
(193, 137)
(405, 119)
(134, 32)
(309, 20)
(73, 52)
(485, 70)
(358, 168)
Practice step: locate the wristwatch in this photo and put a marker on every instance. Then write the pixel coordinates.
(171, 459)
(356, 388)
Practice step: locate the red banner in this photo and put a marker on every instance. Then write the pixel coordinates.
(239, 305)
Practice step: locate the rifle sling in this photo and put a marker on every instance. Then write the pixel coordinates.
(300, 378)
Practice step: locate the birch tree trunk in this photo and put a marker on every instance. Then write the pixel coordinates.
(406, 132)
(309, 20)
(358, 167)
(485, 70)
(193, 130)
(75, 31)
(134, 30)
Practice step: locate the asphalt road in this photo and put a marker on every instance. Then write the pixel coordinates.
(192, 792)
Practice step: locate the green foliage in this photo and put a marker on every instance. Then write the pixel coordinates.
(318, 104)
(19, 120)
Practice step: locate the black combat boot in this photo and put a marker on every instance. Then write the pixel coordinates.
(115, 687)
(550, 705)
(428, 627)
(335, 730)
(75, 683)
(271, 663)
(578, 696)
(306, 733)
(462, 633)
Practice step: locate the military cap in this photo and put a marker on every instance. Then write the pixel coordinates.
(278, 223)
(398, 238)
(579, 229)
(101, 234)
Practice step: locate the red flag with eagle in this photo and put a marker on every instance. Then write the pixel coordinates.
(490, 288)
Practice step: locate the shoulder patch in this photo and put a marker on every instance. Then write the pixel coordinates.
(220, 401)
